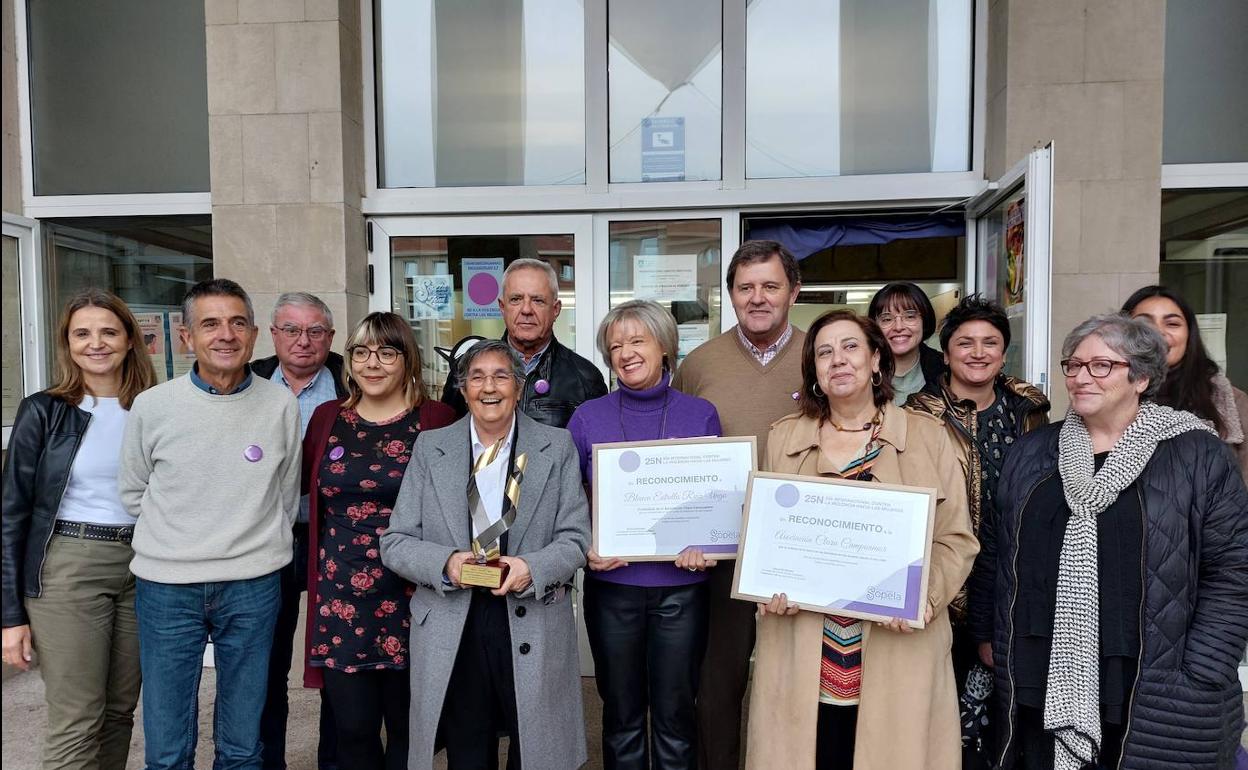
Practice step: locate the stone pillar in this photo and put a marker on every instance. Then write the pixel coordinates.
(1088, 75)
(286, 148)
(11, 176)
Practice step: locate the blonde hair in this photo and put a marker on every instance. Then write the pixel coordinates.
(387, 329)
(137, 374)
(653, 316)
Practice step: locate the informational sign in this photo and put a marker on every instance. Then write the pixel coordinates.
(689, 336)
(152, 328)
(666, 277)
(483, 284)
(182, 359)
(432, 297)
(662, 149)
(1213, 333)
(1015, 269)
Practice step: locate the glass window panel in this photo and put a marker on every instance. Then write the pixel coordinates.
(118, 97)
(414, 260)
(149, 262)
(13, 378)
(1204, 257)
(665, 68)
(845, 87)
(1206, 82)
(1004, 277)
(675, 263)
(480, 92)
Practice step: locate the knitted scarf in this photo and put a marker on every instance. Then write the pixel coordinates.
(1072, 698)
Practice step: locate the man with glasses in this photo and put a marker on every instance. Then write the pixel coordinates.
(302, 330)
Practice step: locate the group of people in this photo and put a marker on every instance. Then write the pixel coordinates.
(1087, 599)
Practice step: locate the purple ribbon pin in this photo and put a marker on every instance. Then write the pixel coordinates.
(541, 387)
(253, 453)
(336, 453)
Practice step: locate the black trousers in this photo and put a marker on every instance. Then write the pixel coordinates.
(480, 699)
(294, 581)
(835, 735)
(648, 645)
(364, 701)
(725, 673)
(1036, 746)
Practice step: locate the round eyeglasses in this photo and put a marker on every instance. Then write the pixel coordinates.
(385, 354)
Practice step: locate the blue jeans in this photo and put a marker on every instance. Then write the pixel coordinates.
(175, 622)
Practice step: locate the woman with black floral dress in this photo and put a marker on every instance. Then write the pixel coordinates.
(354, 456)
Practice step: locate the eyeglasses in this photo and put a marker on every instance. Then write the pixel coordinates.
(888, 319)
(1097, 367)
(292, 332)
(497, 378)
(385, 354)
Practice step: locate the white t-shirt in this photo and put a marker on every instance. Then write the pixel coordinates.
(91, 493)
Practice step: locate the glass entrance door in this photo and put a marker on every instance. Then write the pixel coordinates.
(444, 275)
(1012, 225)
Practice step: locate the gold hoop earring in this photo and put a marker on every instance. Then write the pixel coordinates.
(877, 379)
(815, 391)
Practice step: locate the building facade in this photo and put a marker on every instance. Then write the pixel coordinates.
(396, 155)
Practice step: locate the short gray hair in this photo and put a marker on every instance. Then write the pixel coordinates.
(528, 263)
(302, 299)
(1134, 339)
(215, 287)
(658, 322)
(464, 362)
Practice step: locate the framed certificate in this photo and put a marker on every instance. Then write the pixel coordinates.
(853, 548)
(653, 499)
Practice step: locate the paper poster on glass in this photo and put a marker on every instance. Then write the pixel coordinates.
(182, 359)
(483, 284)
(662, 149)
(431, 297)
(152, 328)
(1015, 268)
(688, 337)
(665, 278)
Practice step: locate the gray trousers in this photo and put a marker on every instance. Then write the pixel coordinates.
(85, 635)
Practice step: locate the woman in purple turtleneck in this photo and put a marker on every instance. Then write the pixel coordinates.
(646, 621)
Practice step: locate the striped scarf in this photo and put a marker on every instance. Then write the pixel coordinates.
(1072, 698)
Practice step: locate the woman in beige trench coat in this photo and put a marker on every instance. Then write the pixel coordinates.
(907, 704)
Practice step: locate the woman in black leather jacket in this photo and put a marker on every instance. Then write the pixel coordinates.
(67, 589)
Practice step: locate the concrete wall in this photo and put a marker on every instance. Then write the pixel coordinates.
(11, 167)
(286, 147)
(1088, 75)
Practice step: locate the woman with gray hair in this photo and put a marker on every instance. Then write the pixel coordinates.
(489, 659)
(647, 621)
(1121, 555)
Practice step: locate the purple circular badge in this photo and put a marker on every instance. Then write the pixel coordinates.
(483, 288)
(541, 387)
(336, 453)
(630, 461)
(787, 495)
(253, 453)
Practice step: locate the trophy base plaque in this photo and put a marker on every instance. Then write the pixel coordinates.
(488, 574)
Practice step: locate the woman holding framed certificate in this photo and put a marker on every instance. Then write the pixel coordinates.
(886, 695)
(646, 621)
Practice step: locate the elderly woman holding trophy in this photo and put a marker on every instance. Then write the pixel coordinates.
(491, 525)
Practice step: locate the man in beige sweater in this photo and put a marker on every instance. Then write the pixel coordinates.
(751, 374)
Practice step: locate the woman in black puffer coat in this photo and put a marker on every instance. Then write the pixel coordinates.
(1120, 605)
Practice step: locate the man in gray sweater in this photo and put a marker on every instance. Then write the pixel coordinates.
(210, 465)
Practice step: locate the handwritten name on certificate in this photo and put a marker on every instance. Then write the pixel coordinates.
(653, 499)
(850, 548)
